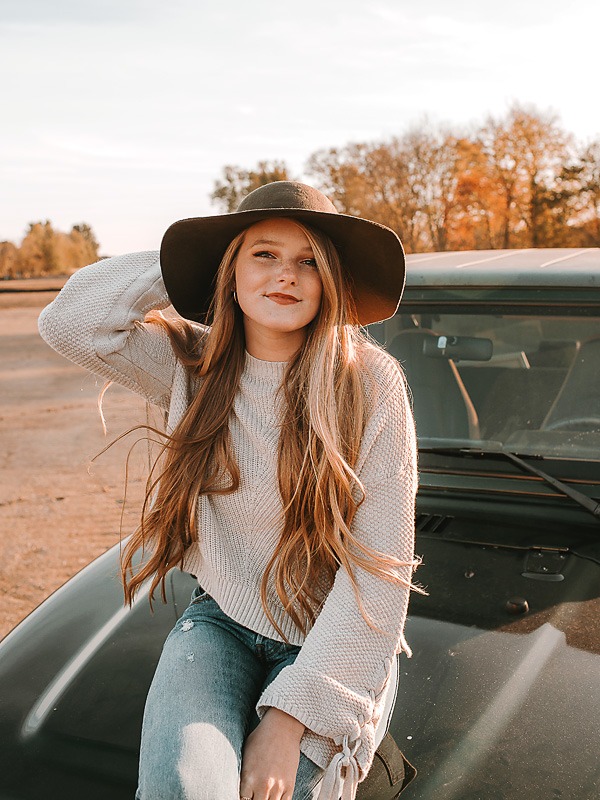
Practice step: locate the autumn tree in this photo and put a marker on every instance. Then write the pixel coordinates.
(500, 176)
(480, 216)
(9, 260)
(237, 182)
(409, 183)
(433, 160)
(526, 151)
(38, 251)
(84, 246)
(46, 251)
(84, 236)
(587, 196)
(516, 181)
(368, 180)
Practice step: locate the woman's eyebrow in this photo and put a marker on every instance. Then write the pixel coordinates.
(272, 242)
(265, 241)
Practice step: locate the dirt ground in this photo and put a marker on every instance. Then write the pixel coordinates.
(58, 510)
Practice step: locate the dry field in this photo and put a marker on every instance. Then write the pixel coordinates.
(58, 510)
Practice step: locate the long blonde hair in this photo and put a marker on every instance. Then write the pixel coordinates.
(324, 416)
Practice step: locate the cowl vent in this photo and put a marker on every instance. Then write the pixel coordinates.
(432, 523)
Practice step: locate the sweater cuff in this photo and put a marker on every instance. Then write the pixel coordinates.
(344, 737)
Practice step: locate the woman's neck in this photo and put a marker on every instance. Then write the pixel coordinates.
(273, 345)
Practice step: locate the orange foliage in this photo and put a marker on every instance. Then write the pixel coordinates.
(516, 181)
(45, 251)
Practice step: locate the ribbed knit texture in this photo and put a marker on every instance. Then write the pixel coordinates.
(338, 683)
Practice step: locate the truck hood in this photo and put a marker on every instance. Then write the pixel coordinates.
(489, 706)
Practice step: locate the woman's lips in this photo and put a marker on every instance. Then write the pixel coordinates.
(283, 299)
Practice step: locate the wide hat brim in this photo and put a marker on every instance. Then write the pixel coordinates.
(371, 254)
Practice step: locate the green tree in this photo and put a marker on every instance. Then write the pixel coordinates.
(237, 182)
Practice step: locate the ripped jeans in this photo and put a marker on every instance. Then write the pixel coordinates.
(201, 707)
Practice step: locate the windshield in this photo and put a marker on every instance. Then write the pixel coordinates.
(526, 384)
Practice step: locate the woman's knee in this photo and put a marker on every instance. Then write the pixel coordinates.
(203, 766)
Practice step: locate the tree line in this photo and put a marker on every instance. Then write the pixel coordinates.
(520, 180)
(46, 251)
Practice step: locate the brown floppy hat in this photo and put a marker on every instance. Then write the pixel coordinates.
(371, 254)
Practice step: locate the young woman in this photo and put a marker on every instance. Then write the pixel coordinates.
(286, 486)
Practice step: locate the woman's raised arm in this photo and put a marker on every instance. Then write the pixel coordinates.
(97, 321)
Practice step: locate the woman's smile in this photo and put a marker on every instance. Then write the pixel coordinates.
(282, 299)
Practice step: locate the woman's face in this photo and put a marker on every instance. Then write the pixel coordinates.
(278, 288)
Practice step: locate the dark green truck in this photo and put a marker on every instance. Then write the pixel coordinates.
(501, 699)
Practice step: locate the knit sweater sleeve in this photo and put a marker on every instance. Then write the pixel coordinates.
(338, 682)
(97, 321)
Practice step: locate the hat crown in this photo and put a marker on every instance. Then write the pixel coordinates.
(287, 194)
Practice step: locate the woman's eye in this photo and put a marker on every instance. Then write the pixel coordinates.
(310, 262)
(263, 254)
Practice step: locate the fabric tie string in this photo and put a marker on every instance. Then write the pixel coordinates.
(336, 786)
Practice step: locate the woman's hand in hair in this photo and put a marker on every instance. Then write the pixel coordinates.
(271, 757)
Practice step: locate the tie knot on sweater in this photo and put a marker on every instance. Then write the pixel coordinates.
(336, 786)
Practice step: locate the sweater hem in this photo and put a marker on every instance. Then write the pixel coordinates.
(242, 603)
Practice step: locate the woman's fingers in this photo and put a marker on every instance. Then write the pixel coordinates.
(257, 788)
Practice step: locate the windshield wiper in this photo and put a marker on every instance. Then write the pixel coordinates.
(582, 499)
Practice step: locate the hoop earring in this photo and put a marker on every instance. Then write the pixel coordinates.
(235, 300)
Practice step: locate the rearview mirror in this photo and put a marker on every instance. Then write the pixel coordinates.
(458, 348)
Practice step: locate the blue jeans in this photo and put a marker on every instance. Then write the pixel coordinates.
(201, 707)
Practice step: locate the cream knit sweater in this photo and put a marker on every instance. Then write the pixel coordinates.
(338, 684)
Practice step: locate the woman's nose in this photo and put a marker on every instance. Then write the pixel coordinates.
(288, 272)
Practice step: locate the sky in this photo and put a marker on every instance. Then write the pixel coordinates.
(123, 113)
